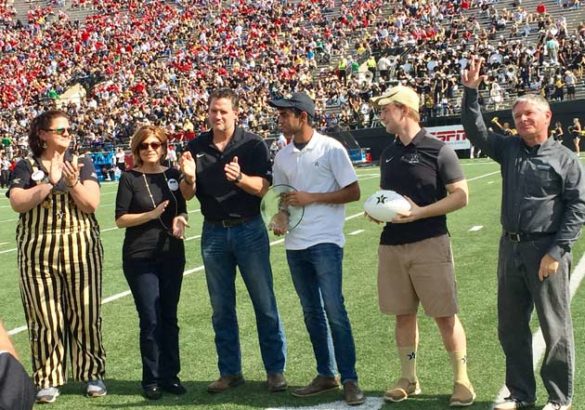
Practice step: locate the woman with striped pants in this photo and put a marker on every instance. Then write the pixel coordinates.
(60, 258)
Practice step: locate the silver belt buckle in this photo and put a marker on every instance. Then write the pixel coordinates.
(515, 237)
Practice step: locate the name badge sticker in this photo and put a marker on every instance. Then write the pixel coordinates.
(173, 184)
(38, 175)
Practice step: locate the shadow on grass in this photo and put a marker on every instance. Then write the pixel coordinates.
(125, 394)
(432, 402)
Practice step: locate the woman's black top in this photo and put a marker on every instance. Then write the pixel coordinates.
(152, 239)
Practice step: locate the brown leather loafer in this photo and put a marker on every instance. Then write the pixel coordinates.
(276, 382)
(352, 394)
(320, 384)
(225, 382)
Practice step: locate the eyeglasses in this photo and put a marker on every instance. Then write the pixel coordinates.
(146, 145)
(59, 131)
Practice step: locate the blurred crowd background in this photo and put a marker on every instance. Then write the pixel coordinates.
(115, 64)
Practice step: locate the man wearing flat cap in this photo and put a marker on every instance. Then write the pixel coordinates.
(415, 263)
(321, 171)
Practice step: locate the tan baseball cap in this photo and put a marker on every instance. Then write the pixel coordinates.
(399, 94)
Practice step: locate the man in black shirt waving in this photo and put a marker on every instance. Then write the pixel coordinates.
(229, 171)
(543, 209)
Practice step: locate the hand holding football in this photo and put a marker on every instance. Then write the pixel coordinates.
(384, 205)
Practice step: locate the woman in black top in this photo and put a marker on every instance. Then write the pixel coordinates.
(150, 206)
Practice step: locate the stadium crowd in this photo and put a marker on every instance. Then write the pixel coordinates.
(155, 61)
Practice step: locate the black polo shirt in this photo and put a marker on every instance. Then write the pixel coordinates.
(221, 199)
(420, 171)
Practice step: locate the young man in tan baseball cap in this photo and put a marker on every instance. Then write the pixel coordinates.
(415, 264)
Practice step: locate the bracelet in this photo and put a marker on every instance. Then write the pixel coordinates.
(73, 186)
(239, 177)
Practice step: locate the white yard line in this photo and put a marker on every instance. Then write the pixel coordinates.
(483, 176)
(538, 346)
(356, 232)
(475, 228)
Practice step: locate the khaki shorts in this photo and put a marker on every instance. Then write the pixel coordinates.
(420, 271)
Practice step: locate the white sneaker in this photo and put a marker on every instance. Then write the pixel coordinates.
(47, 395)
(556, 406)
(511, 403)
(96, 388)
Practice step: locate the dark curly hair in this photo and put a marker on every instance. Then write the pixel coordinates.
(42, 122)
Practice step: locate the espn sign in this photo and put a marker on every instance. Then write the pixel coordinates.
(454, 135)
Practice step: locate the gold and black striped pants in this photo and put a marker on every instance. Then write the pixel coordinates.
(61, 285)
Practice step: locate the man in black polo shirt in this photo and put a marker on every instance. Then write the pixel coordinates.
(229, 171)
(415, 260)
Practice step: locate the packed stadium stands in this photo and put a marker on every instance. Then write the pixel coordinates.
(154, 61)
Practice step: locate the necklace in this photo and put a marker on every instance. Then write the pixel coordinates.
(154, 203)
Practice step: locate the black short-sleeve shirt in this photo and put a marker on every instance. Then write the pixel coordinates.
(152, 239)
(420, 171)
(221, 199)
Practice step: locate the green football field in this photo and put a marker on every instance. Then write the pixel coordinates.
(474, 230)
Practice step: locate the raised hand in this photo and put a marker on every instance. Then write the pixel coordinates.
(188, 166)
(71, 171)
(471, 77)
(232, 170)
(158, 211)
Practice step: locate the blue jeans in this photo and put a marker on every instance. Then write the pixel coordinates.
(317, 277)
(245, 246)
(156, 288)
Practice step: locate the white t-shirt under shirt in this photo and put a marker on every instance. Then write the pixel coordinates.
(323, 165)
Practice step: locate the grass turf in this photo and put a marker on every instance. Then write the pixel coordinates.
(475, 255)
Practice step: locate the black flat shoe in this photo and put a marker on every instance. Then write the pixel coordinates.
(152, 392)
(174, 388)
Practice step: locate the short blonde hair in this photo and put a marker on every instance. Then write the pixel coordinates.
(412, 114)
(143, 133)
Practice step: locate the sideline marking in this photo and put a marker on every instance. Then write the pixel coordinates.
(538, 346)
(476, 228)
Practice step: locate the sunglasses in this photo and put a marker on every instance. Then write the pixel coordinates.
(59, 131)
(146, 145)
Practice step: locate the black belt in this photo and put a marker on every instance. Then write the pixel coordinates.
(228, 223)
(524, 237)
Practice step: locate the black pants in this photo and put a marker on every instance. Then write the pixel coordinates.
(156, 287)
(4, 178)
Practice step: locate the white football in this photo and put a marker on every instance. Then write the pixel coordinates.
(385, 204)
